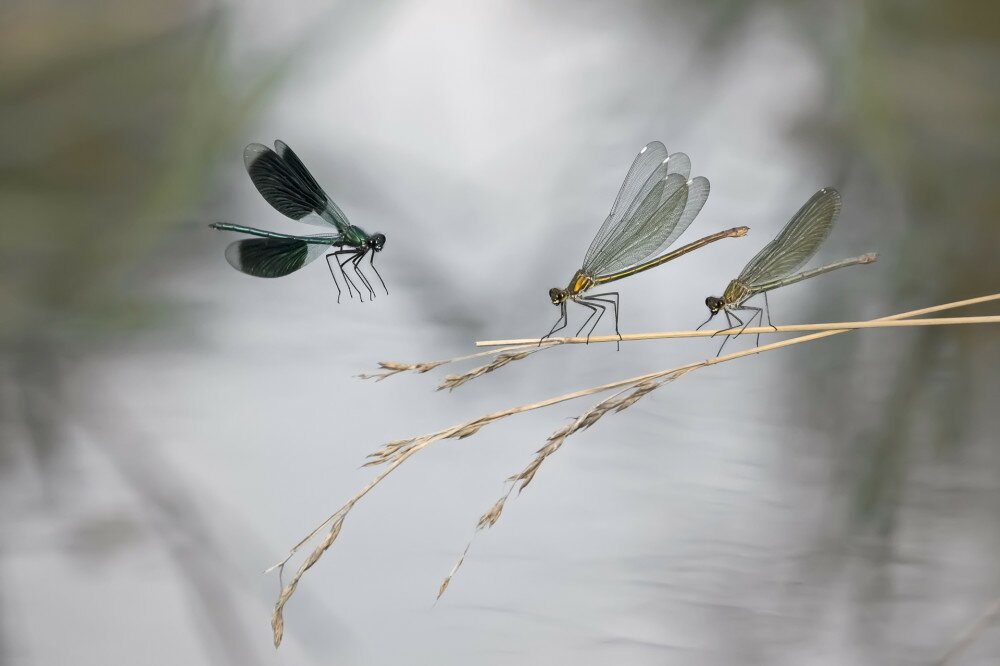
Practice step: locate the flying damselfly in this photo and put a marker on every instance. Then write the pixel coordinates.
(775, 264)
(657, 201)
(285, 183)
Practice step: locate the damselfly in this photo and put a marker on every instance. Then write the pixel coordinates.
(775, 264)
(657, 201)
(285, 183)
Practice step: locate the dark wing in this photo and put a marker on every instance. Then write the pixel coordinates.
(797, 242)
(285, 183)
(272, 257)
(633, 188)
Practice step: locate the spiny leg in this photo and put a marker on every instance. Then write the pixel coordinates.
(333, 275)
(354, 262)
(556, 327)
(614, 303)
(767, 309)
(611, 301)
(757, 312)
(364, 278)
(347, 279)
(351, 254)
(371, 260)
(593, 311)
(731, 327)
(598, 309)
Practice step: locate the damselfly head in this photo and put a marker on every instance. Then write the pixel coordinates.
(376, 241)
(557, 295)
(714, 304)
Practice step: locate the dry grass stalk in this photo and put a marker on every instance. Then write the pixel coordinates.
(454, 381)
(969, 636)
(396, 453)
(394, 367)
(277, 616)
(447, 579)
(628, 397)
(614, 403)
(750, 330)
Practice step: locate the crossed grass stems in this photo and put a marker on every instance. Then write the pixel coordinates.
(626, 392)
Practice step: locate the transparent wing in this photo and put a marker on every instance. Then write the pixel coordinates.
(648, 161)
(679, 163)
(647, 229)
(287, 185)
(697, 194)
(797, 242)
(272, 257)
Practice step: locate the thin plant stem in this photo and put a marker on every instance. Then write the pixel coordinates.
(390, 368)
(395, 453)
(790, 328)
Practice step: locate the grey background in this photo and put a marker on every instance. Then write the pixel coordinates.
(171, 427)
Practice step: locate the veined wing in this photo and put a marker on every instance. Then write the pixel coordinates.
(285, 183)
(697, 194)
(653, 223)
(797, 242)
(272, 257)
(639, 174)
(679, 163)
(620, 224)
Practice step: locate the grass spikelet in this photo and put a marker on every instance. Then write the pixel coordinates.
(454, 569)
(277, 615)
(628, 392)
(394, 368)
(490, 518)
(451, 382)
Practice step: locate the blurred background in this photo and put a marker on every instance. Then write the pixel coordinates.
(170, 427)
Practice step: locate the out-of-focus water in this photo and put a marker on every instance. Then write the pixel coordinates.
(718, 521)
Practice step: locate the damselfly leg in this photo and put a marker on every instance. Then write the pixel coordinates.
(350, 283)
(371, 260)
(355, 262)
(612, 300)
(729, 320)
(333, 275)
(595, 309)
(559, 325)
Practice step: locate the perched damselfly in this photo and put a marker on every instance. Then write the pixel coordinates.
(775, 264)
(285, 183)
(657, 201)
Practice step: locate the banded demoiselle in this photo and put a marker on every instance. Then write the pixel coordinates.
(775, 264)
(657, 201)
(285, 183)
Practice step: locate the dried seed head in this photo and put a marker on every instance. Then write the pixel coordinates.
(490, 518)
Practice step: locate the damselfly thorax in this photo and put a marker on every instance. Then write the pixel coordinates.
(736, 292)
(580, 283)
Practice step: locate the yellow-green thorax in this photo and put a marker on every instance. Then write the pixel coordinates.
(736, 292)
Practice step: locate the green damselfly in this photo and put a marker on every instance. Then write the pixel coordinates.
(656, 203)
(775, 265)
(285, 183)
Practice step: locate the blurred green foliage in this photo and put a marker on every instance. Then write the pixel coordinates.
(115, 113)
